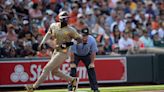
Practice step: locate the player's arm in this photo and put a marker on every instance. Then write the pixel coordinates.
(47, 36)
(75, 35)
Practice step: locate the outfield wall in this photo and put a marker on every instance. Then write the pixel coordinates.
(124, 69)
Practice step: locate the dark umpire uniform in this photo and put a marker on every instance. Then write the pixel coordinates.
(86, 52)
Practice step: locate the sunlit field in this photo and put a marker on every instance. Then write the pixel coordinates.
(151, 88)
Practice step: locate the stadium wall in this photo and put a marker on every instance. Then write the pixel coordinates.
(120, 69)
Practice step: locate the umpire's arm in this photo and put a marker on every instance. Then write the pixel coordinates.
(94, 49)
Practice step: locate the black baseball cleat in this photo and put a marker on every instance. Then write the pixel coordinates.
(73, 86)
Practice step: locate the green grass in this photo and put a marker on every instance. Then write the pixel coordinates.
(113, 89)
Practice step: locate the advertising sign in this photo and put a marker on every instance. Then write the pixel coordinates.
(18, 73)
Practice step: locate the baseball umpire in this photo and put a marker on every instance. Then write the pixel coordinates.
(85, 52)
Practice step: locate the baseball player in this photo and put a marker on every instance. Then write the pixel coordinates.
(85, 52)
(63, 34)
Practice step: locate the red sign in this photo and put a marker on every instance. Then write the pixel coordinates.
(18, 73)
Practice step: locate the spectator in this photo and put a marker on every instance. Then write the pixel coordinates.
(73, 14)
(25, 29)
(35, 12)
(138, 44)
(121, 24)
(90, 19)
(146, 39)
(113, 38)
(149, 8)
(2, 36)
(2, 24)
(50, 16)
(129, 28)
(5, 50)
(21, 7)
(19, 46)
(11, 35)
(101, 50)
(29, 38)
(125, 43)
(116, 34)
(158, 42)
(115, 50)
(127, 8)
(84, 7)
(43, 52)
(110, 19)
(27, 50)
(55, 6)
(12, 53)
(99, 30)
(31, 18)
(80, 24)
(161, 30)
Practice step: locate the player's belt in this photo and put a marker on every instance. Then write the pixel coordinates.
(59, 49)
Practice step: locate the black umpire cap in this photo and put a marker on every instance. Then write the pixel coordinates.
(85, 31)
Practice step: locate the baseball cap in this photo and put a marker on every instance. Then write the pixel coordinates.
(85, 31)
(153, 32)
(11, 26)
(25, 22)
(128, 15)
(80, 15)
(89, 12)
(49, 12)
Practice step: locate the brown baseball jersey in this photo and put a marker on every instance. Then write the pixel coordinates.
(62, 35)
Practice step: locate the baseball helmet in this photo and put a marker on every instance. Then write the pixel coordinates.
(63, 14)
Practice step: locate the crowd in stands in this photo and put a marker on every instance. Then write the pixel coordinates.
(117, 25)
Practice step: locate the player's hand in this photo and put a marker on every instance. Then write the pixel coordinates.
(63, 46)
(91, 65)
(72, 65)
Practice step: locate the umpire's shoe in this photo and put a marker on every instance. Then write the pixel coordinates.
(29, 88)
(72, 87)
(96, 91)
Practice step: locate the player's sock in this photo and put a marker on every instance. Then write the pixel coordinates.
(29, 88)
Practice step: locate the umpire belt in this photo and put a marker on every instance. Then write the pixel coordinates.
(82, 55)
